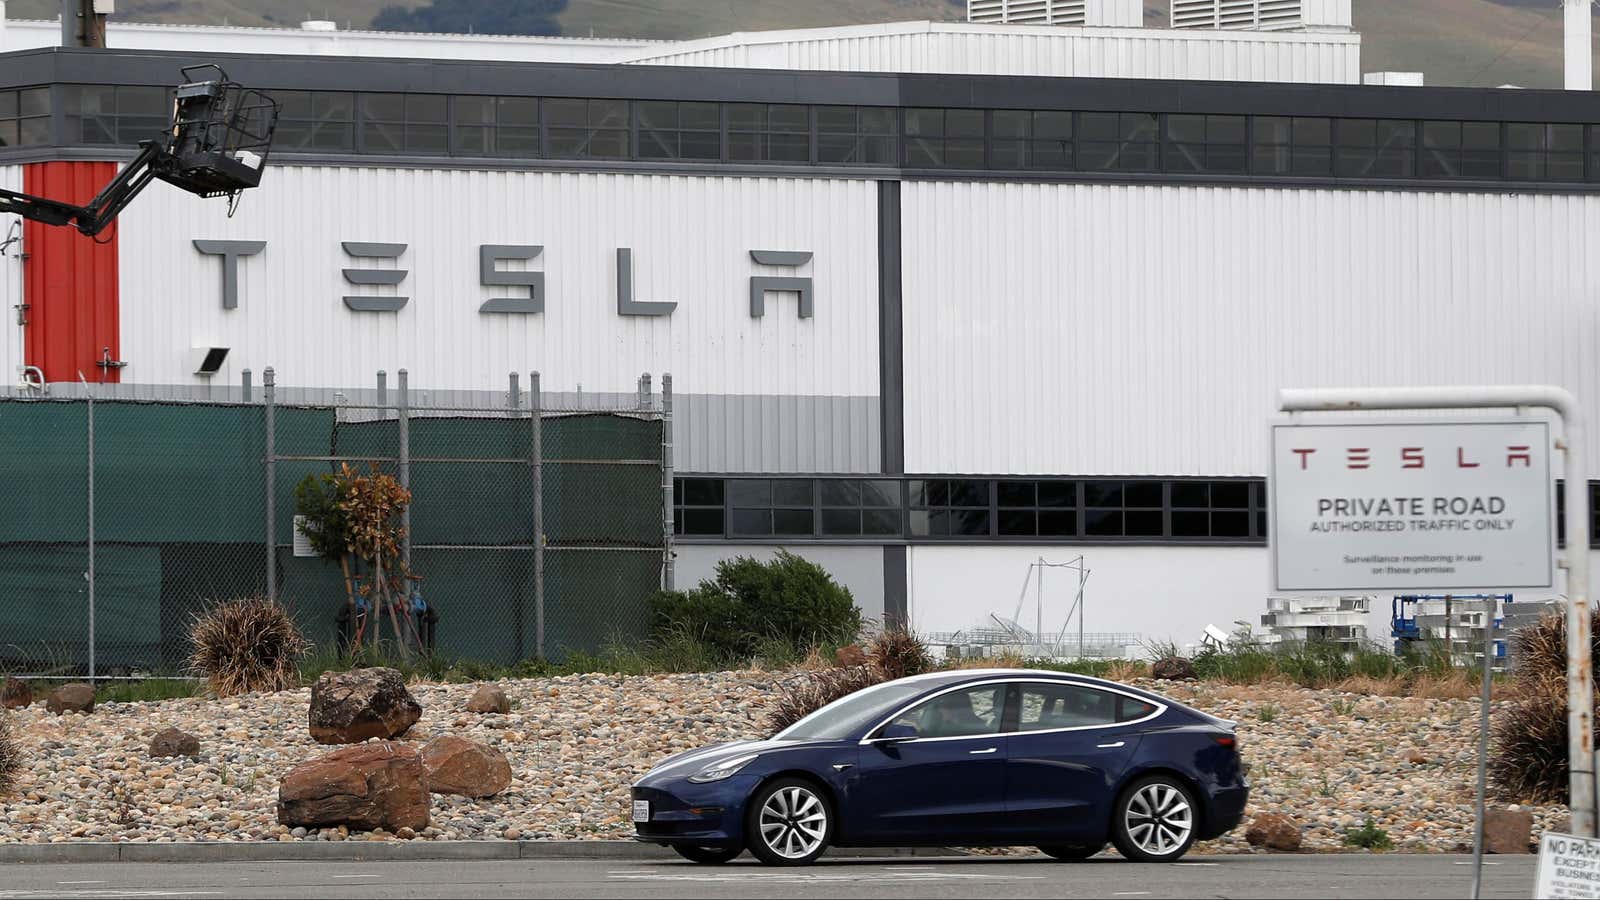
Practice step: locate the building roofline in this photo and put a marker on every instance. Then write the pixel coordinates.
(585, 79)
(366, 33)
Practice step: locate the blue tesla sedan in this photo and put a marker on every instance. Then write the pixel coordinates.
(968, 758)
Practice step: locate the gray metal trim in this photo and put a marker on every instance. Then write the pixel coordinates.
(289, 72)
(859, 173)
(376, 304)
(896, 597)
(781, 257)
(375, 276)
(370, 250)
(891, 331)
(760, 284)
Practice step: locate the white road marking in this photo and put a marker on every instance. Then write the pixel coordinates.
(357, 876)
(1485, 862)
(80, 882)
(114, 893)
(1130, 893)
(817, 878)
(1198, 865)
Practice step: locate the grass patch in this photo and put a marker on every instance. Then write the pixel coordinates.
(149, 690)
(1368, 837)
(1267, 713)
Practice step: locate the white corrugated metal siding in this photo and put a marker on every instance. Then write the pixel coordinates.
(1031, 50)
(690, 236)
(1091, 329)
(11, 347)
(691, 239)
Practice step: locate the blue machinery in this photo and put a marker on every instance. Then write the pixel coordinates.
(1403, 618)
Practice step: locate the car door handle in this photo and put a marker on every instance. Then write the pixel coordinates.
(1111, 746)
(980, 752)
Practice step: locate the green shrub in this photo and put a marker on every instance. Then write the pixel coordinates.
(751, 603)
(1368, 837)
(1267, 713)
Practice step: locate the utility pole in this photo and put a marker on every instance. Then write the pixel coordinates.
(83, 22)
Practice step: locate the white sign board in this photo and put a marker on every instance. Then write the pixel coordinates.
(1388, 504)
(1568, 867)
(302, 544)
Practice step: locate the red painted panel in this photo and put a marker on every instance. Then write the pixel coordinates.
(69, 280)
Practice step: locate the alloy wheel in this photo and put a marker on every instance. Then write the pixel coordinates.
(793, 822)
(1159, 819)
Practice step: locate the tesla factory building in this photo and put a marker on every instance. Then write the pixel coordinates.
(939, 300)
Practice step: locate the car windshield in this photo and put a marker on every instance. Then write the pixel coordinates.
(841, 718)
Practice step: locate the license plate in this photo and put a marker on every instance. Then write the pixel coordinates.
(641, 810)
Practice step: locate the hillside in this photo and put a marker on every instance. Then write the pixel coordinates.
(1460, 42)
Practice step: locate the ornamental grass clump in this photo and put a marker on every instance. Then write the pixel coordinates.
(247, 645)
(1528, 761)
(897, 653)
(10, 756)
(801, 696)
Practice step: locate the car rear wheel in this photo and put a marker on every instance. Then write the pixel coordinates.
(707, 856)
(789, 823)
(1071, 852)
(1155, 820)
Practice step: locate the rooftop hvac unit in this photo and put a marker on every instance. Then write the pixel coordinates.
(1027, 12)
(1257, 15)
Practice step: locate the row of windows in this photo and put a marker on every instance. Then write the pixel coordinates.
(968, 508)
(25, 117)
(996, 139)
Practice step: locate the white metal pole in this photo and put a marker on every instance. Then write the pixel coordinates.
(1580, 686)
(1578, 51)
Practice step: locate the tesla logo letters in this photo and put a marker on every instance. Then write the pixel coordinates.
(490, 274)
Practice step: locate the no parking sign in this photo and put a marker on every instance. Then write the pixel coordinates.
(1568, 867)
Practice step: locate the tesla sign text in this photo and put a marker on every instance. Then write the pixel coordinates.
(1387, 505)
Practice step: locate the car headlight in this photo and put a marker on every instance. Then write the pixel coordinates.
(724, 769)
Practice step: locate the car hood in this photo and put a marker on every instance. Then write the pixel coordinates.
(685, 764)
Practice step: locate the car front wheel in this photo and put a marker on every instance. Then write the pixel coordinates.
(1155, 820)
(707, 856)
(789, 823)
(1071, 852)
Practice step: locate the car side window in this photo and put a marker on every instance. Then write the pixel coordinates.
(1131, 709)
(967, 713)
(1048, 706)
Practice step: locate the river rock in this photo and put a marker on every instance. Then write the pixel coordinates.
(15, 693)
(354, 706)
(364, 788)
(1274, 831)
(489, 699)
(76, 697)
(173, 742)
(459, 766)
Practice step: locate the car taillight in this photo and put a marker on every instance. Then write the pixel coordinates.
(1226, 740)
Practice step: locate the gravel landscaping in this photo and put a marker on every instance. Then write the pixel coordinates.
(1325, 759)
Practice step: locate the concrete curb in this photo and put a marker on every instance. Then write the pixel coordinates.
(380, 851)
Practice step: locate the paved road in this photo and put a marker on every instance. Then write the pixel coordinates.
(1354, 875)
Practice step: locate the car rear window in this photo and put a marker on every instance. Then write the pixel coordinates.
(1130, 709)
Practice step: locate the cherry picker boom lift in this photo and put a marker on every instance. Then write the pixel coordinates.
(217, 146)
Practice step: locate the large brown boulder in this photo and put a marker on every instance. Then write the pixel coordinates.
(1508, 831)
(15, 693)
(459, 766)
(364, 788)
(76, 697)
(1173, 668)
(489, 699)
(173, 742)
(1274, 831)
(351, 707)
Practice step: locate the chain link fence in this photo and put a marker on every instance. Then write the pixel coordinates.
(539, 523)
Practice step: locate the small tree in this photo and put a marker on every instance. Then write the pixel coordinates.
(348, 516)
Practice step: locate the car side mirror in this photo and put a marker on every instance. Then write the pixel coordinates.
(898, 732)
